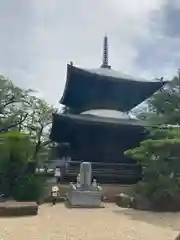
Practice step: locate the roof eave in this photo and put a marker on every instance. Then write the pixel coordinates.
(101, 120)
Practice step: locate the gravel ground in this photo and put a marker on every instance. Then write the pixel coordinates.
(109, 223)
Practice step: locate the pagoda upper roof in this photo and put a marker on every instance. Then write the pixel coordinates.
(116, 75)
(105, 88)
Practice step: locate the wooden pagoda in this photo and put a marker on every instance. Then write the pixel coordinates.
(98, 126)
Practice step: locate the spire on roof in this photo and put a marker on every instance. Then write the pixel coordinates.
(105, 53)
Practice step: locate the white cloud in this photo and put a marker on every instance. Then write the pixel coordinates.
(39, 38)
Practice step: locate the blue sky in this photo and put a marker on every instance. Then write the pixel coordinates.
(39, 37)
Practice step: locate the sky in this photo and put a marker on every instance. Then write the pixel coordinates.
(38, 38)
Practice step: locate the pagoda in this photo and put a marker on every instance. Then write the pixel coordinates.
(97, 124)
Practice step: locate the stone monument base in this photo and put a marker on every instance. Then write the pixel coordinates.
(84, 199)
(85, 193)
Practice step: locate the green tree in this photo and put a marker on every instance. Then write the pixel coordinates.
(160, 159)
(13, 102)
(25, 122)
(159, 155)
(16, 151)
(164, 106)
(38, 124)
(21, 111)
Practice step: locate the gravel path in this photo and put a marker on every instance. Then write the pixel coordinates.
(109, 223)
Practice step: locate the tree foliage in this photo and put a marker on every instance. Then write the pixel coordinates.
(13, 102)
(164, 106)
(15, 151)
(25, 122)
(38, 124)
(21, 111)
(159, 154)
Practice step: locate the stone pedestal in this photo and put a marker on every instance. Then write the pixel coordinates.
(84, 193)
(79, 198)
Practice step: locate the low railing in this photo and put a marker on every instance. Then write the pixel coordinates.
(108, 172)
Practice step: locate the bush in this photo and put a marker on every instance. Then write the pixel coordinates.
(160, 186)
(15, 149)
(160, 194)
(30, 189)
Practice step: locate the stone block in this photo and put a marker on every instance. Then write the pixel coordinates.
(13, 208)
(81, 198)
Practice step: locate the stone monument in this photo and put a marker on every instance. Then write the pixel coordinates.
(84, 193)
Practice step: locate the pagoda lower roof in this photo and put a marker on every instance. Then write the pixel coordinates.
(90, 119)
(65, 124)
(105, 88)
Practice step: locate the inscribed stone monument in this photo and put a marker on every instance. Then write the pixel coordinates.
(84, 193)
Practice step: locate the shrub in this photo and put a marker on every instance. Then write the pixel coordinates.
(161, 183)
(15, 149)
(30, 189)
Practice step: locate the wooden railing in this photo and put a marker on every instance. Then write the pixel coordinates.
(108, 172)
